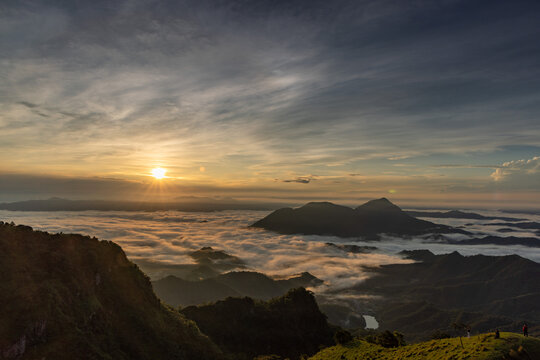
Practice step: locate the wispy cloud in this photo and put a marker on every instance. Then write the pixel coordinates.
(519, 172)
(241, 90)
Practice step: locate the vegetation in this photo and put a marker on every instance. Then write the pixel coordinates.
(386, 339)
(484, 292)
(480, 347)
(342, 337)
(68, 296)
(287, 326)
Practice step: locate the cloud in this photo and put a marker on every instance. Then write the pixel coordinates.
(521, 173)
(301, 179)
(166, 238)
(108, 89)
(27, 104)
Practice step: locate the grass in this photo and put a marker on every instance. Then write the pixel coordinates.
(479, 347)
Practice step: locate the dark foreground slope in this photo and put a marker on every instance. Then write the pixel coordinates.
(288, 326)
(74, 297)
(368, 220)
(486, 292)
(480, 347)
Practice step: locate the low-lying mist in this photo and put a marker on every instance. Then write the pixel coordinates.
(166, 238)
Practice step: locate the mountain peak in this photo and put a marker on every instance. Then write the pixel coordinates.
(372, 218)
(319, 204)
(382, 204)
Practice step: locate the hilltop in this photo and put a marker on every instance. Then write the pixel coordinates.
(368, 220)
(479, 347)
(290, 326)
(67, 296)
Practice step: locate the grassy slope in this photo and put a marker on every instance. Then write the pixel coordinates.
(481, 347)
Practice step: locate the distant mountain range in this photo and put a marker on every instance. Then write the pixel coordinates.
(368, 220)
(210, 280)
(208, 263)
(457, 214)
(486, 292)
(498, 240)
(531, 226)
(59, 204)
(179, 292)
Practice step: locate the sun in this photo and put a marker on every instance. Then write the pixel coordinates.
(158, 173)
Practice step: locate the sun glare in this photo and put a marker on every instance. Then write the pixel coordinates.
(158, 173)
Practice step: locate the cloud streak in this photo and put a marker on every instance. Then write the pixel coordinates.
(257, 92)
(518, 168)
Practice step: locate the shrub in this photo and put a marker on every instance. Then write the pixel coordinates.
(342, 337)
(387, 339)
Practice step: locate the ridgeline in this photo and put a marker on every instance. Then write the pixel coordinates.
(479, 347)
(368, 220)
(68, 296)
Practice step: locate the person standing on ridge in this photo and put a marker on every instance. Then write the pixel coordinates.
(525, 330)
(497, 334)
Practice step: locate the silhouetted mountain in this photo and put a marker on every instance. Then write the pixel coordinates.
(158, 269)
(217, 259)
(69, 296)
(58, 204)
(529, 225)
(180, 292)
(486, 291)
(499, 240)
(368, 220)
(209, 263)
(355, 249)
(457, 214)
(287, 326)
(523, 211)
(418, 255)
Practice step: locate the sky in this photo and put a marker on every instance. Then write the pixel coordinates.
(431, 103)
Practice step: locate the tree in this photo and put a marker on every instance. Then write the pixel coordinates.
(342, 337)
(387, 339)
(458, 326)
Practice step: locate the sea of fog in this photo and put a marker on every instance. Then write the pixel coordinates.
(166, 237)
